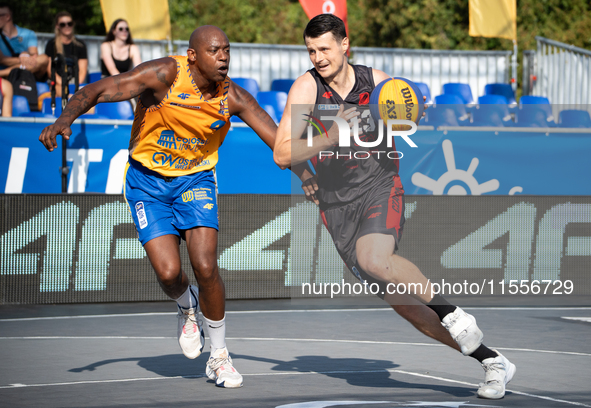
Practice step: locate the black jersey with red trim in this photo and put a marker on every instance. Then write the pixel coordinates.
(351, 171)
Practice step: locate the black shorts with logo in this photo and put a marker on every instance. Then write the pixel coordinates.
(380, 211)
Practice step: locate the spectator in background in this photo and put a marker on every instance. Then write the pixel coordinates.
(118, 52)
(65, 43)
(24, 47)
(6, 98)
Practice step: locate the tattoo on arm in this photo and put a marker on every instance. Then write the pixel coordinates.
(161, 77)
(111, 98)
(251, 104)
(79, 104)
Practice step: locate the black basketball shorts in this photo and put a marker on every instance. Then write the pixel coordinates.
(380, 211)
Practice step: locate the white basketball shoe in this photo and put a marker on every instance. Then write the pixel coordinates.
(190, 334)
(220, 369)
(498, 371)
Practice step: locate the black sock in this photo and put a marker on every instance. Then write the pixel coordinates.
(441, 306)
(482, 353)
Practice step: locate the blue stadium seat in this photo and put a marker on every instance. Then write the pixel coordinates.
(492, 110)
(460, 89)
(46, 108)
(42, 87)
(424, 88)
(574, 119)
(501, 89)
(541, 102)
(533, 100)
(276, 100)
(425, 91)
(20, 105)
(271, 111)
(72, 88)
(93, 77)
(282, 85)
(115, 110)
(248, 84)
(448, 110)
(441, 115)
(491, 115)
(533, 116)
(492, 100)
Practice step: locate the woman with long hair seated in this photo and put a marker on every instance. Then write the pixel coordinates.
(118, 52)
(66, 44)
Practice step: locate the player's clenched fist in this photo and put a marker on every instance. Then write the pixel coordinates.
(49, 134)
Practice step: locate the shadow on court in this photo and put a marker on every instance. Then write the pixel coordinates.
(170, 365)
(355, 371)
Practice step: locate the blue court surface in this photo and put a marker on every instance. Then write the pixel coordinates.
(308, 355)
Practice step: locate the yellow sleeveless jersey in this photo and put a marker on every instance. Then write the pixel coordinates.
(183, 133)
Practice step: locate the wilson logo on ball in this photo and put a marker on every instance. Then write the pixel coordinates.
(397, 98)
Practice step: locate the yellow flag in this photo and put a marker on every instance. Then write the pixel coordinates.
(147, 19)
(493, 18)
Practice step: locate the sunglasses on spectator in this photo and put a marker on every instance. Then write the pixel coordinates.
(68, 24)
(123, 29)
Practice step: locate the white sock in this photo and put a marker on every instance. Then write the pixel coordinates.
(187, 300)
(217, 333)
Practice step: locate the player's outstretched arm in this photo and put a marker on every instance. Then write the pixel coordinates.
(244, 105)
(154, 77)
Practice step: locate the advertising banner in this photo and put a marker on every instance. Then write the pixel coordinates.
(445, 162)
(83, 248)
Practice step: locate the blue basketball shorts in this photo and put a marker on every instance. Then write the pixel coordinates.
(169, 205)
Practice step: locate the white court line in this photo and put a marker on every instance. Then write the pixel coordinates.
(12, 386)
(390, 343)
(582, 319)
(23, 319)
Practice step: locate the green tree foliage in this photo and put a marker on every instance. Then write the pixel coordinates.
(255, 21)
(38, 15)
(428, 24)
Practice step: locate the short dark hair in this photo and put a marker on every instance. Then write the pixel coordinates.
(325, 23)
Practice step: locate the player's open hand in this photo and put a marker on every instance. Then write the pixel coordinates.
(425, 106)
(49, 134)
(310, 187)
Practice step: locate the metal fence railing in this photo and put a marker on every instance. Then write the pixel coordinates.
(266, 62)
(437, 67)
(562, 72)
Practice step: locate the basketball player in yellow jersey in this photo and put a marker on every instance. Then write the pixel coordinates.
(183, 114)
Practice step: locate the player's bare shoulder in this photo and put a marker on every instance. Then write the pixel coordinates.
(163, 70)
(303, 90)
(379, 76)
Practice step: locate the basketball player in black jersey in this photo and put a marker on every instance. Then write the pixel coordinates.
(360, 196)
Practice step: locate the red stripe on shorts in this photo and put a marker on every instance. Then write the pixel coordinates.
(395, 205)
(323, 218)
